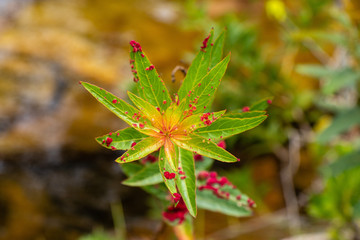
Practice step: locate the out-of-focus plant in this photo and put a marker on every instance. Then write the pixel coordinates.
(338, 138)
(326, 34)
(177, 137)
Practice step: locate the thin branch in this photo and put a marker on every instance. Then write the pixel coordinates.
(177, 68)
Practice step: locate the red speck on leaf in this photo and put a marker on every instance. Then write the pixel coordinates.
(205, 42)
(114, 101)
(126, 112)
(164, 102)
(134, 125)
(142, 55)
(141, 125)
(113, 148)
(246, 109)
(176, 197)
(168, 175)
(133, 144)
(173, 213)
(222, 144)
(149, 159)
(136, 46)
(108, 141)
(250, 202)
(198, 157)
(269, 101)
(213, 174)
(183, 177)
(157, 108)
(238, 197)
(203, 175)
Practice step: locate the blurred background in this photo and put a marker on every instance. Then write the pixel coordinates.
(301, 166)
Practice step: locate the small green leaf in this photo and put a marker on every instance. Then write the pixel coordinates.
(164, 166)
(205, 147)
(226, 127)
(261, 105)
(152, 87)
(121, 139)
(148, 175)
(202, 94)
(198, 68)
(207, 200)
(186, 181)
(140, 150)
(220, 195)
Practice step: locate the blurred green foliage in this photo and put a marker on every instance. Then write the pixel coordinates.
(307, 56)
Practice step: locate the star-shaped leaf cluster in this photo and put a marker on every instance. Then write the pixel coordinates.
(178, 127)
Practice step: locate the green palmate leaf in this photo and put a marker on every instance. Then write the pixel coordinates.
(148, 175)
(205, 147)
(202, 94)
(217, 51)
(262, 104)
(121, 139)
(226, 127)
(150, 112)
(199, 120)
(151, 86)
(140, 150)
(198, 68)
(230, 205)
(164, 166)
(186, 179)
(249, 114)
